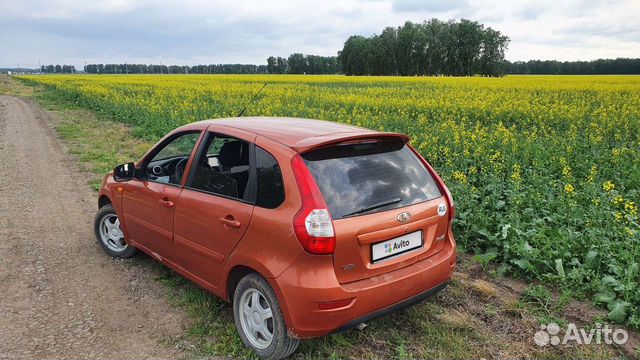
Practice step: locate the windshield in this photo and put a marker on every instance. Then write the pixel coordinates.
(369, 177)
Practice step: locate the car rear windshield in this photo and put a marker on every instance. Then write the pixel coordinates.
(363, 178)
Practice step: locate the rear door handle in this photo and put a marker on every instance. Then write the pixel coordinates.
(166, 203)
(230, 221)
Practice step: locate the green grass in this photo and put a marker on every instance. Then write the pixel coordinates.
(540, 302)
(463, 321)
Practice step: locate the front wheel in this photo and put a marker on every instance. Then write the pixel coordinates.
(259, 319)
(109, 234)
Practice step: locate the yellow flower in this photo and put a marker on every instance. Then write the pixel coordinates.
(616, 152)
(569, 189)
(566, 171)
(631, 208)
(592, 174)
(495, 157)
(618, 200)
(517, 173)
(460, 177)
(619, 216)
(608, 186)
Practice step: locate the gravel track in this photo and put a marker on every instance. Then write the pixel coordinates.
(60, 295)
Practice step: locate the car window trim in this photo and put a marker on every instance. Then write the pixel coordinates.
(255, 171)
(250, 191)
(219, 195)
(146, 160)
(162, 183)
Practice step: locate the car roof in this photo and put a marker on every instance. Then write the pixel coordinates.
(298, 133)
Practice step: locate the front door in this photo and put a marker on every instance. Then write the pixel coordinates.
(214, 209)
(148, 202)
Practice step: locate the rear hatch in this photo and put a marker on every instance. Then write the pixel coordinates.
(387, 209)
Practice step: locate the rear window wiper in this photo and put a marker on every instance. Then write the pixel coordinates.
(374, 206)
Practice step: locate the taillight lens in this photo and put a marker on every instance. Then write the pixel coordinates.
(319, 224)
(452, 205)
(312, 223)
(443, 187)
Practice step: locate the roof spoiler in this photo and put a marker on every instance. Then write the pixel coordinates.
(321, 141)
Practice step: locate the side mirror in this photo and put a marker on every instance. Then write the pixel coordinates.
(124, 172)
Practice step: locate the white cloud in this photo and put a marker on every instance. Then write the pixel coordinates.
(248, 31)
(428, 5)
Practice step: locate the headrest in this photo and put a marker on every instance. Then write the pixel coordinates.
(234, 153)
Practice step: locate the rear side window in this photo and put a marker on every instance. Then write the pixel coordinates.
(364, 178)
(270, 185)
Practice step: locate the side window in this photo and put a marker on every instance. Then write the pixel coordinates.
(223, 168)
(167, 165)
(270, 185)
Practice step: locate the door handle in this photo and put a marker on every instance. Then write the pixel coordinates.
(166, 203)
(230, 221)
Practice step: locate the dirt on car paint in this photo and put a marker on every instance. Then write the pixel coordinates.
(61, 296)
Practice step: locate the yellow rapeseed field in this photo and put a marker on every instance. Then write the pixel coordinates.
(545, 170)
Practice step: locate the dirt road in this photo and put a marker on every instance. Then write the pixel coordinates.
(60, 295)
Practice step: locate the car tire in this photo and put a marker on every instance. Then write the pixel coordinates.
(109, 235)
(252, 287)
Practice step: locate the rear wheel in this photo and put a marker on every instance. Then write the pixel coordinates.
(259, 319)
(109, 234)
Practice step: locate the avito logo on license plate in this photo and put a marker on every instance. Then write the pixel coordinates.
(396, 246)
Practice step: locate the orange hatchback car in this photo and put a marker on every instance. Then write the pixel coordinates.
(308, 227)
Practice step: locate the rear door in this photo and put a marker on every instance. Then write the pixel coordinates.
(215, 207)
(384, 204)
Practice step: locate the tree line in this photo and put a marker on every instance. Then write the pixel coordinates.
(553, 67)
(175, 69)
(295, 64)
(298, 63)
(434, 47)
(58, 69)
(313, 64)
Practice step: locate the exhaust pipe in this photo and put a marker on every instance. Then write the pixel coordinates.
(361, 326)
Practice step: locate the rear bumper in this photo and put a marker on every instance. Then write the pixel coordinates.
(311, 280)
(393, 308)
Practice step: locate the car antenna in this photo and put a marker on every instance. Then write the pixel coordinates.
(251, 101)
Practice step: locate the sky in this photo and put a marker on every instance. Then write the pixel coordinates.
(190, 32)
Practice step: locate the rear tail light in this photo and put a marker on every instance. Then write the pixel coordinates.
(312, 223)
(318, 223)
(443, 188)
